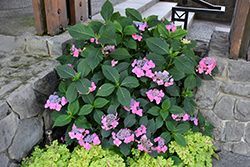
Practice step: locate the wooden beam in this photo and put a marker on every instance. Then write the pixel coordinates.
(39, 14)
(78, 11)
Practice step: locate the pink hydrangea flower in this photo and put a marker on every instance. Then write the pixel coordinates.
(144, 144)
(163, 78)
(75, 51)
(143, 65)
(93, 87)
(143, 26)
(134, 106)
(53, 103)
(195, 120)
(140, 131)
(113, 62)
(109, 121)
(123, 135)
(161, 145)
(76, 133)
(64, 101)
(186, 117)
(70, 65)
(155, 95)
(206, 65)
(137, 37)
(94, 40)
(86, 142)
(171, 27)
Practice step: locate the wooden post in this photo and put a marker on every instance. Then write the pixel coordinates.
(39, 13)
(56, 16)
(238, 28)
(78, 11)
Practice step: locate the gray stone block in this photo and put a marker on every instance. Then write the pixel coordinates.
(207, 94)
(242, 110)
(36, 45)
(9, 87)
(8, 127)
(4, 110)
(224, 108)
(4, 160)
(221, 64)
(29, 132)
(14, 165)
(234, 131)
(23, 101)
(48, 121)
(241, 148)
(247, 137)
(236, 89)
(239, 71)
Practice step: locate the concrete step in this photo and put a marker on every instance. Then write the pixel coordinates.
(140, 5)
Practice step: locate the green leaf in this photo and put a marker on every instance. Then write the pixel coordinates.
(166, 136)
(170, 125)
(182, 128)
(155, 111)
(94, 58)
(126, 21)
(131, 43)
(62, 87)
(115, 16)
(134, 14)
(151, 126)
(82, 123)
(166, 104)
(108, 37)
(62, 120)
(95, 25)
(105, 133)
(180, 139)
(54, 115)
(143, 121)
(71, 93)
(89, 98)
(123, 96)
(162, 30)
(176, 45)
(65, 71)
(111, 110)
(184, 64)
(129, 30)
(73, 107)
(120, 54)
(158, 122)
(192, 45)
(107, 10)
(86, 109)
(177, 75)
(152, 21)
(83, 85)
(157, 45)
(190, 82)
(83, 68)
(188, 106)
(130, 82)
(172, 90)
(98, 116)
(125, 149)
(179, 33)
(176, 159)
(164, 114)
(157, 59)
(122, 66)
(198, 81)
(100, 102)
(105, 90)
(81, 32)
(176, 110)
(118, 26)
(129, 120)
(202, 120)
(110, 73)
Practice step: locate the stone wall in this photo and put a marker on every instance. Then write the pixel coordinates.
(225, 101)
(227, 16)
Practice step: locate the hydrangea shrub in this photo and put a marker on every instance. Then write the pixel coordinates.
(128, 83)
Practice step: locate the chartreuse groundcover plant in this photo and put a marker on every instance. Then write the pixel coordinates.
(128, 84)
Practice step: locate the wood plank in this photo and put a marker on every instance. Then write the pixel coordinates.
(40, 19)
(78, 11)
(56, 16)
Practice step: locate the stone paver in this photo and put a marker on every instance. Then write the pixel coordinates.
(7, 43)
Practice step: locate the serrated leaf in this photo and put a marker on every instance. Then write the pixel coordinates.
(125, 149)
(180, 139)
(130, 82)
(95, 25)
(98, 116)
(105, 90)
(190, 82)
(198, 81)
(192, 45)
(177, 75)
(71, 93)
(179, 33)
(129, 30)
(170, 126)
(83, 85)
(123, 96)
(62, 87)
(131, 43)
(107, 10)
(164, 114)
(129, 120)
(118, 26)
(134, 14)
(157, 59)
(157, 45)
(108, 37)
(189, 108)
(82, 123)
(155, 111)
(158, 122)
(73, 107)
(81, 32)
(166, 104)
(110, 73)
(166, 136)
(120, 54)
(86, 109)
(94, 58)
(176, 110)
(202, 119)
(111, 110)
(182, 128)
(184, 64)
(143, 121)
(122, 66)
(62, 120)
(89, 98)
(83, 68)
(162, 30)
(100, 102)
(105, 133)
(172, 90)
(151, 126)
(65, 71)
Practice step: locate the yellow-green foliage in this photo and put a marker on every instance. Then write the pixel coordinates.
(198, 151)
